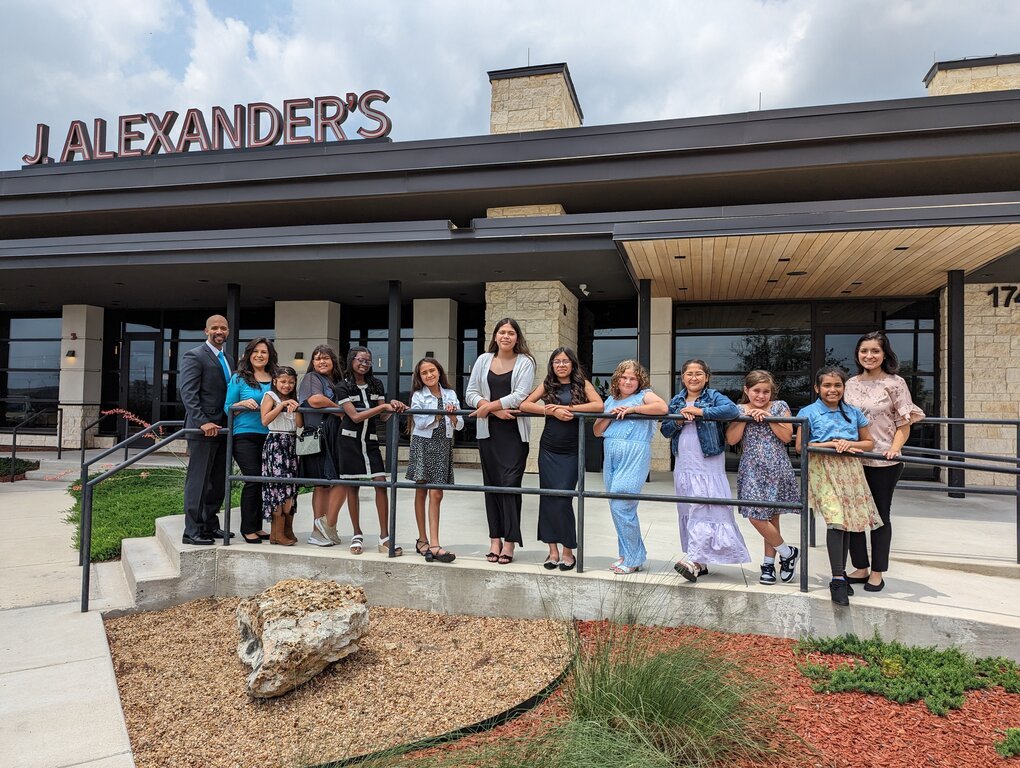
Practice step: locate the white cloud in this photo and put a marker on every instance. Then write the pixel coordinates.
(644, 61)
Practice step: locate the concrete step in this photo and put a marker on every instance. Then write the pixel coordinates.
(109, 593)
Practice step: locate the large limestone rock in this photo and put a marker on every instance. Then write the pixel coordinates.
(295, 629)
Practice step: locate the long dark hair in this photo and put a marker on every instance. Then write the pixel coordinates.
(832, 370)
(324, 350)
(890, 362)
(520, 348)
(284, 370)
(375, 386)
(755, 377)
(417, 383)
(552, 384)
(244, 369)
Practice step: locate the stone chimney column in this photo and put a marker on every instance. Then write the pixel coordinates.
(533, 99)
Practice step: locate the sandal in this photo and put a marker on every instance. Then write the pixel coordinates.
(422, 547)
(505, 559)
(623, 570)
(384, 546)
(492, 557)
(357, 544)
(689, 570)
(616, 564)
(438, 554)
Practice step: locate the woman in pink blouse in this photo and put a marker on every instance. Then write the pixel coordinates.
(885, 400)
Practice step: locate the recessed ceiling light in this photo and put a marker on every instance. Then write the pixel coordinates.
(901, 247)
(768, 314)
(846, 291)
(774, 280)
(117, 283)
(423, 274)
(498, 271)
(796, 273)
(202, 280)
(857, 282)
(599, 291)
(784, 259)
(681, 256)
(681, 289)
(359, 295)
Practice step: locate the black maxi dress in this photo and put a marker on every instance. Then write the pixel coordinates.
(503, 455)
(557, 469)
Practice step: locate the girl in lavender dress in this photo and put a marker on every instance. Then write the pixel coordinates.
(708, 532)
(765, 472)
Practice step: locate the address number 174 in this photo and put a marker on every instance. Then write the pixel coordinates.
(1006, 294)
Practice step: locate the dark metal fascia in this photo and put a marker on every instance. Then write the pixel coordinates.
(971, 63)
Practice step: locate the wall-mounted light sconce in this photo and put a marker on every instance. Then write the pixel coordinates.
(299, 359)
(70, 355)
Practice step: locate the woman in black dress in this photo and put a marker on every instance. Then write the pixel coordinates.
(564, 392)
(500, 380)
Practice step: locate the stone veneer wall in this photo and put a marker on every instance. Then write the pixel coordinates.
(514, 211)
(533, 103)
(996, 77)
(547, 314)
(991, 352)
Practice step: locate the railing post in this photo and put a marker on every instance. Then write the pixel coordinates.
(60, 433)
(579, 552)
(227, 483)
(85, 545)
(14, 450)
(391, 458)
(806, 518)
(1018, 493)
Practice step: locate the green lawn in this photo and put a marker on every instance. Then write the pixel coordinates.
(126, 506)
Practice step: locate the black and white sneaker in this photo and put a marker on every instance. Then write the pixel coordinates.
(788, 565)
(768, 573)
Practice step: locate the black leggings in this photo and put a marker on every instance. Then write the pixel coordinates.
(882, 482)
(837, 543)
(248, 455)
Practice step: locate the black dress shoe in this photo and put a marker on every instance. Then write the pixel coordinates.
(869, 587)
(217, 533)
(200, 539)
(855, 579)
(565, 566)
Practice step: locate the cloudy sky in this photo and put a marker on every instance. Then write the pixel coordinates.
(62, 60)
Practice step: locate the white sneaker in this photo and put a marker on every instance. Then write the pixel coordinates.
(317, 537)
(329, 531)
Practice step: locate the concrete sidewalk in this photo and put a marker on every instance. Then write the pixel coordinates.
(953, 560)
(59, 704)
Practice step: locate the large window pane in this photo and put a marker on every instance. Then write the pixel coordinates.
(35, 327)
(607, 353)
(34, 354)
(33, 385)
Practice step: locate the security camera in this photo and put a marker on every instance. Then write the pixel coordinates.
(584, 289)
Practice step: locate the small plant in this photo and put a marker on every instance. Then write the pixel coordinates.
(904, 674)
(21, 466)
(1010, 745)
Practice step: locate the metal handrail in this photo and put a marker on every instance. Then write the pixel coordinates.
(14, 433)
(87, 487)
(580, 493)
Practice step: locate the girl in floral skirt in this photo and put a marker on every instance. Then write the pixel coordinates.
(279, 455)
(836, 484)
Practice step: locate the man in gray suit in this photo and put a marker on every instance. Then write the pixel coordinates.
(205, 371)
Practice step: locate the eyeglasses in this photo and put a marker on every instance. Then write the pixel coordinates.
(365, 360)
(560, 363)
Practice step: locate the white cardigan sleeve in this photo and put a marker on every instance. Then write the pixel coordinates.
(478, 387)
(521, 381)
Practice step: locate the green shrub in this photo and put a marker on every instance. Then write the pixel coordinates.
(21, 466)
(941, 677)
(1010, 745)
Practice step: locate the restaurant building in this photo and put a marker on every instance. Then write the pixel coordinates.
(765, 239)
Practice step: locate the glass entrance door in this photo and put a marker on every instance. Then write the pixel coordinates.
(834, 345)
(141, 376)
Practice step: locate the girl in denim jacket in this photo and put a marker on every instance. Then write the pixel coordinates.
(708, 532)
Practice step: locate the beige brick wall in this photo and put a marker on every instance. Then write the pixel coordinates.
(547, 314)
(991, 376)
(534, 103)
(1001, 77)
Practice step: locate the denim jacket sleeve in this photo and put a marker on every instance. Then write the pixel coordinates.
(719, 406)
(670, 428)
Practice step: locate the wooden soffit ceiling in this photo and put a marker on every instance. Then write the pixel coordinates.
(813, 265)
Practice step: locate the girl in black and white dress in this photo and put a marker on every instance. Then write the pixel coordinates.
(363, 399)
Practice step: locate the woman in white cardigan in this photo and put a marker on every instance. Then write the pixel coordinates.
(500, 381)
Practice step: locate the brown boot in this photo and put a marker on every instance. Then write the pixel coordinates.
(288, 528)
(276, 531)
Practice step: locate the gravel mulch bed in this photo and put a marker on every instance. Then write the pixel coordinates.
(417, 674)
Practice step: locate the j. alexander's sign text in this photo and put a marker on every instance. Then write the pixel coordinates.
(258, 124)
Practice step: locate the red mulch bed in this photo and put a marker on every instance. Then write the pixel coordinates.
(843, 730)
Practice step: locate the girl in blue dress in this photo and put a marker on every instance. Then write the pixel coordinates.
(628, 454)
(765, 472)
